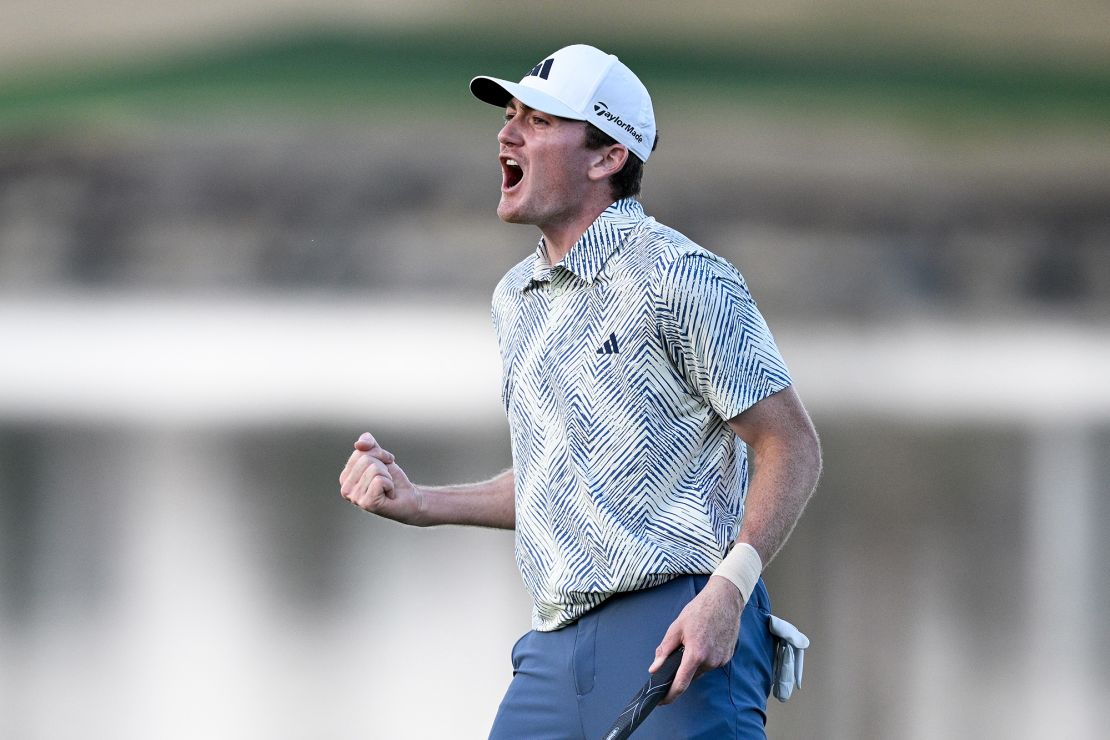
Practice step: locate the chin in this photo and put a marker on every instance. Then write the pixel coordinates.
(510, 215)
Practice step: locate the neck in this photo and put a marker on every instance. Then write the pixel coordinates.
(560, 238)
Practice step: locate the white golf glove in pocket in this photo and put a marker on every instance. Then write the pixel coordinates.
(790, 646)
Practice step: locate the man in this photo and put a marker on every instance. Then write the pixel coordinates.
(636, 367)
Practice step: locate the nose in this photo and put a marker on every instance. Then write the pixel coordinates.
(509, 133)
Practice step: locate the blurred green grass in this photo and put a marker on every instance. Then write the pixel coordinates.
(392, 75)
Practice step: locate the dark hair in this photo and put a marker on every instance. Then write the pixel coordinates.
(626, 182)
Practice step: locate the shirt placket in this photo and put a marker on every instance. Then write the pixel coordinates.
(560, 299)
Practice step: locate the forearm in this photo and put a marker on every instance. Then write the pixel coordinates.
(486, 504)
(786, 473)
(787, 456)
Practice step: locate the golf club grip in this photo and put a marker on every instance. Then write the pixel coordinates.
(645, 699)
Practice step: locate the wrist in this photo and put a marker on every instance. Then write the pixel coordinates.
(742, 566)
(729, 592)
(420, 507)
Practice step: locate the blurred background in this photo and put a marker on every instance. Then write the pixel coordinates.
(236, 234)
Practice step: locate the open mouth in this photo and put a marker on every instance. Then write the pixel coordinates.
(511, 173)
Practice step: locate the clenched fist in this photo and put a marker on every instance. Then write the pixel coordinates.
(373, 481)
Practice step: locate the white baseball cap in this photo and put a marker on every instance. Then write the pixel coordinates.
(584, 84)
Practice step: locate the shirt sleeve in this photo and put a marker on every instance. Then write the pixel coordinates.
(715, 336)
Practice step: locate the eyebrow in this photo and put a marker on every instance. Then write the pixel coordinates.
(518, 107)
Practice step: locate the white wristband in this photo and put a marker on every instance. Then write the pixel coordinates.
(742, 566)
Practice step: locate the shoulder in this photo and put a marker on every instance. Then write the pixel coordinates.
(680, 266)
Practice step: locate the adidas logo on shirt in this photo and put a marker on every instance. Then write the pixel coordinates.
(610, 347)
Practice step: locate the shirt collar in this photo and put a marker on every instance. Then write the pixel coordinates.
(590, 253)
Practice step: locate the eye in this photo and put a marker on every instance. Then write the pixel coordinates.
(539, 121)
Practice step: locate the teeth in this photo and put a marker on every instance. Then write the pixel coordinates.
(511, 163)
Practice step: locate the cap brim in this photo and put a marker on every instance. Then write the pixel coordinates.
(499, 92)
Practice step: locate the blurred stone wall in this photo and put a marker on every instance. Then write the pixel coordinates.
(385, 209)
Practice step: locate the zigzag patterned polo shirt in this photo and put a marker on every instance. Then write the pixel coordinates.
(621, 365)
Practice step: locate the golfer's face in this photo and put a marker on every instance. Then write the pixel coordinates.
(544, 162)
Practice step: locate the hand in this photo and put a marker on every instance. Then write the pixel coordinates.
(373, 481)
(708, 628)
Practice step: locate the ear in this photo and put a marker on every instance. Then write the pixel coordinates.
(607, 161)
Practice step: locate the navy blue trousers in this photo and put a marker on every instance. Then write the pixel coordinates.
(573, 682)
